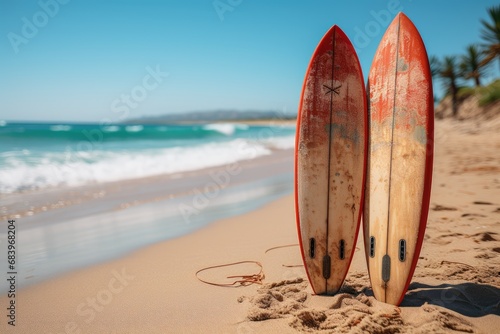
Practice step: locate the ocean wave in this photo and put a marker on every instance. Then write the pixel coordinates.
(72, 169)
(119, 132)
(134, 128)
(61, 127)
(227, 129)
(281, 143)
(111, 128)
(40, 155)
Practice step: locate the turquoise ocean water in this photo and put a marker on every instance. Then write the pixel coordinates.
(39, 156)
(35, 156)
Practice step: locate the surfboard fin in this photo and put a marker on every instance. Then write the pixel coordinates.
(402, 250)
(372, 246)
(312, 247)
(386, 268)
(327, 263)
(342, 249)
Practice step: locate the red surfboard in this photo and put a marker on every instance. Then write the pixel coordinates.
(398, 185)
(330, 161)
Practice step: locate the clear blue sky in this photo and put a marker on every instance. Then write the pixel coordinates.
(83, 55)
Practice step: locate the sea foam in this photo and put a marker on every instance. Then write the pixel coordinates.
(72, 168)
(36, 155)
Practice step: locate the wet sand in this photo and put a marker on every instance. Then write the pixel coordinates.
(68, 228)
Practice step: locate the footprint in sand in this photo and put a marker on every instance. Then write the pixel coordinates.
(449, 270)
(482, 203)
(484, 236)
(473, 215)
(276, 300)
(485, 256)
(441, 321)
(438, 207)
(445, 239)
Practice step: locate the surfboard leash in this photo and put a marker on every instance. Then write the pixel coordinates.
(285, 246)
(278, 247)
(244, 280)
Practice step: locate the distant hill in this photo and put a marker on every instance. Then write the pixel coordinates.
(213, 116)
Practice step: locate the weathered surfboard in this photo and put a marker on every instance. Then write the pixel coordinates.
(330, 161)
(398, 183)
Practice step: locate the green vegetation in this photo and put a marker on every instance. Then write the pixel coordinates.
(490, 93)
(486, 94)
(455, 71)
(465, 92)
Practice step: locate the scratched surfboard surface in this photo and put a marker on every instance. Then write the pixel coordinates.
(330, 161)
(400, 157)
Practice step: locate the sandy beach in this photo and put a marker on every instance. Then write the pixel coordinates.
(153, 289)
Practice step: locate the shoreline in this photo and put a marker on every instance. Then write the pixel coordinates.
(26, 204)
(102, 222)
(158, 283)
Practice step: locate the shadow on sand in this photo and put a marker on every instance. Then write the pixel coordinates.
(468, 299)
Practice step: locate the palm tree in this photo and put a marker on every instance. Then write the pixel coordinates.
(491, 35)
(435, 65)
(450, 75)
(471, 65)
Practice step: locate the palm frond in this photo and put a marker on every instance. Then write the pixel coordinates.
(471, 64)
(435, 66)
(491, 35)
